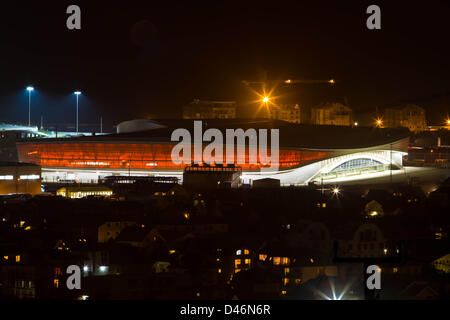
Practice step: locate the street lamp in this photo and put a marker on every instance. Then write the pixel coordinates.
(265, 99)
(379, 122)
(77, 93)
(29, 89)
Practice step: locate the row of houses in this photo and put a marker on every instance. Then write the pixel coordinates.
(409, 116)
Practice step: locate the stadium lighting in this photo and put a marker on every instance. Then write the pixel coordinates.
(77, 93)
(29, 89)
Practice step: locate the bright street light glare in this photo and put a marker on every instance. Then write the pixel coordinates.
(77, 92)
(30, 88)
(265, 99)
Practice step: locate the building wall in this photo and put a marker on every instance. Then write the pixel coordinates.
(20, 179)
(289, 113)
(331, 114)
(410, 116)
(199, 109)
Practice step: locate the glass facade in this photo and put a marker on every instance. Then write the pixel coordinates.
(356, 164)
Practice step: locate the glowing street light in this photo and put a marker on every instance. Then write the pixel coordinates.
(265, 99)
(336, 191)
(379, 122)
(29, 89)
(77, 93)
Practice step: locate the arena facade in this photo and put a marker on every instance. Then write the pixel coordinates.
(306, 153)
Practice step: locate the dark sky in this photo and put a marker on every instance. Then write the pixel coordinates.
(148, 58)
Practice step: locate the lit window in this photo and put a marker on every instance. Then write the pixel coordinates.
(56, 283)
(246, 251)
(283, 292)
(30, 177)
(285, 281)
(262, 257)
(5, 257)
(238, 252)
(247, 261)
(219, 270)
(276, 260)
(237, 263)
(285, 260)
(58, 272)
(18, 258)
(395, 270)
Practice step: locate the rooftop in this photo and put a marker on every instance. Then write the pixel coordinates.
(291, 135)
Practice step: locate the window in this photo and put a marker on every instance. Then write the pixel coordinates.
(18, 258)
(237, 263)
(56, 283)
(276, 260)
(246, 251)
(356, 164)
(262, 257)
(58, 272)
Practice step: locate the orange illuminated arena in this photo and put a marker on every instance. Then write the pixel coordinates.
(142, 156)
(302, 155)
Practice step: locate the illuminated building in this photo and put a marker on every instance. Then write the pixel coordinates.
(409, 116)
(82, 192)
(290, 113)
(335, 114)
(201, 109)
(307, 153)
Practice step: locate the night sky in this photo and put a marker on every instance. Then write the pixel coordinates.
(147, 59)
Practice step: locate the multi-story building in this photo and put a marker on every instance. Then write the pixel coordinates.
(287, 112)
(331, 113)
(201, 109)
(409, 116)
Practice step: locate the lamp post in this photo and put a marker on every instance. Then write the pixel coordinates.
(29, 89)
(77, 93)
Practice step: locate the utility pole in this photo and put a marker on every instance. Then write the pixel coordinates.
(390, 166)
